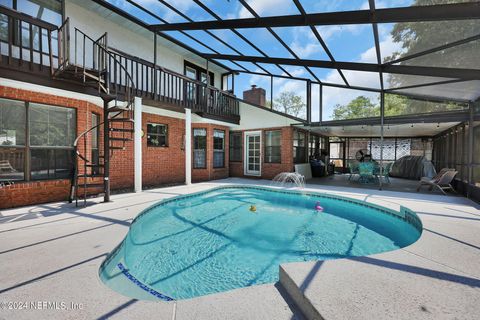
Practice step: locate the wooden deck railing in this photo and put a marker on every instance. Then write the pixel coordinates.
(160, 84)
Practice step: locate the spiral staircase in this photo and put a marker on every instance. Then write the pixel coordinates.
(96, 66)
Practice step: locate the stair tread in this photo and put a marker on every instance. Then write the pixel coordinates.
(89, 175)
(121, 120)
(91, 185)
(120, 139)
(121, 130)
(94, 165)
(118, 109)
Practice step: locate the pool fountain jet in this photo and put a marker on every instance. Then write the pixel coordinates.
(289, 177)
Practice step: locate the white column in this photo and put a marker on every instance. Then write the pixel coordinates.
(188, 146)
(137, 138)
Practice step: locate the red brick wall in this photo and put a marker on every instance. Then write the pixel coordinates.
(161, 165)
(211, 173)
(269, 170)
(25, 193)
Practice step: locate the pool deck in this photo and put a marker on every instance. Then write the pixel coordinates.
(52, 253)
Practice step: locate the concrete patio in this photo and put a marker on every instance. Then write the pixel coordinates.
(52, 253)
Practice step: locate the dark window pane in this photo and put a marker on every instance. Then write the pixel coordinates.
(3, 27)
(199, 148)
(218, 148)
(12, 164)
(157, 135)
(273, 146)
(51, 126)
(12, 123)
(299, 150)
(236, 146)
(51, 164)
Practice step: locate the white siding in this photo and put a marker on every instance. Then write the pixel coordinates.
(133, 40)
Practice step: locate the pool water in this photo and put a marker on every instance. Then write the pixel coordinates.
(213, 242)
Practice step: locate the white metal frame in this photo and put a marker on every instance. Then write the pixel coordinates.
(245, 153)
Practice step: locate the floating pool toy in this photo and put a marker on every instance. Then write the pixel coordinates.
(253, 208)
(318, 207)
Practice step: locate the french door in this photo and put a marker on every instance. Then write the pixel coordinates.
(253, 153)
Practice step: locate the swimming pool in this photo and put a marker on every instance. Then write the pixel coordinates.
(216, 241)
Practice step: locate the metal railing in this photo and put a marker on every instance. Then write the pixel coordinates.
(163, 85)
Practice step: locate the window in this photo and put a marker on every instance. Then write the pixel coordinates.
(273, 146)
(314, 147)
(51, 163)
(157, 135)
(218, 148)
(199, 148)
(48, 149)
(299, 149)
(236, 146)
(51, 126)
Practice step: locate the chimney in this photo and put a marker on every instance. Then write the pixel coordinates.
(255, 96)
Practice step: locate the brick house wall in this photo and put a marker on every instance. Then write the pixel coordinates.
(161, 165)
(268, 170)
(211, 173)
(32, 192)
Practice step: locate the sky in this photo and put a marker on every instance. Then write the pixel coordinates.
(352, 43)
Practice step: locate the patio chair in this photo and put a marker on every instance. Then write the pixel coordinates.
(5, 166)
(441, 181)
(386, 172)
(366, 171)
(353, 167)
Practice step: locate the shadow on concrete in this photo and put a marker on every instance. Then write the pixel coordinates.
(451, 238)
(111, 313)
(440, 275)
(21, 284)
(57, 238)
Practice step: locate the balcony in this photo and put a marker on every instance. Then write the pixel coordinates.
(39, 52)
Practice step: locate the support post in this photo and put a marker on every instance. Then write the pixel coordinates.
(137, 137)
(106, 149)
(382, 120)
(309, 102)
(271, 92)
(320, 103)
(188, 146)
(470, 148)
(154, 91)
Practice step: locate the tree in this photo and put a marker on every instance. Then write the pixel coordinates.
(291, 104)
(420, 36)
(395, 105)
(360, 107)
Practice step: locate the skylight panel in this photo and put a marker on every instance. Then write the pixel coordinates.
(353, 42)
(266, 42)
(403, 39)
(303, 42)
(319, 6)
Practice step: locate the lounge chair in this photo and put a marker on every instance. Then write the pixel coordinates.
(441, 181)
